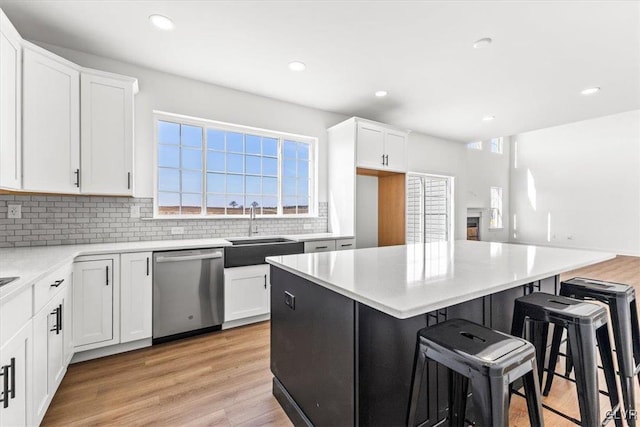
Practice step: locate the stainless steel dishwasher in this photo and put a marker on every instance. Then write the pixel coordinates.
(188, 293)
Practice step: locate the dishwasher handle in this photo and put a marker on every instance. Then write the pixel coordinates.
(212, 255)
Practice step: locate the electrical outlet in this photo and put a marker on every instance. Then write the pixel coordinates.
(307, 226)
(135, 211)
(14, 211)
(177, 230)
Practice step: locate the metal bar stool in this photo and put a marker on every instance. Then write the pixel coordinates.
(586, 324)
(489, 359)
(623, 313)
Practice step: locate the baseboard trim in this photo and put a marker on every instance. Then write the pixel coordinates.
(291, 408)
(247, 321)
(110, 350)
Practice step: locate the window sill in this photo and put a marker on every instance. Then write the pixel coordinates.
(216, 217)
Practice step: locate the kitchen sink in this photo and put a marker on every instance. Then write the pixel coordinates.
(7, 280)
(252, 251)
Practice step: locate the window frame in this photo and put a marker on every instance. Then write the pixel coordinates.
(450, 196)
(230, 127)
(499, 145)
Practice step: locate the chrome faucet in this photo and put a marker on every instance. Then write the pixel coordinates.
(252, 217)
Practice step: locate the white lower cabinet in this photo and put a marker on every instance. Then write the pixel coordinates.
(136, 296)
(247, 291)
(319, 246)
(51, 332)
(15, 363)
(96, 292)
(345, 244)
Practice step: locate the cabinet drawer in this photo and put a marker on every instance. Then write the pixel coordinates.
(46, 288)
(344, 244)
(14, 314)
(320, 246)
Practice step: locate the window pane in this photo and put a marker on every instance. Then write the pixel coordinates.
(303, 151)
(253, 165)
(192, 159)
(168, 156)
(289, 167)
(289, 187)
(235, 184)
(235, 163)
(191, 182)
(215, 139)
(303, 205)
(191, 136)
(289, 205)
(215, 204)
(303, 169)
(303, 187)
(290, 149)
(270, 186)
(191, 204)
(168, 133)
(235, 205)
(169, 203)
(253, 185)
(215, 161)
(215, 182)
(269, 205)
(168, 179)
(235, 142)
(253, 144)
(255, 201)
(270, 146)
(269, 166)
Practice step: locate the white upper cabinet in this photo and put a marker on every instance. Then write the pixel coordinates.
(10, 105)
(106, 149)
(51, 123)
(380, 147)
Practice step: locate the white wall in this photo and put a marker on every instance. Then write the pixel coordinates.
(475, 172)
(366, 211)
(174, 94)
(585, 178)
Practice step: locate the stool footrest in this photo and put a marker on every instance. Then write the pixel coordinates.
(555, 374)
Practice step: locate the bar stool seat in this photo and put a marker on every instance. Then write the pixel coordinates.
(586, 324)
(488, 359)
(623, 314)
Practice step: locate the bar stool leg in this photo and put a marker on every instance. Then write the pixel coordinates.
(583, 345)
(553, 357)
(517, 324)
(458, 386)
(418, 371)
(620, 322)
(540, 333)
(604, 344)
(532, 393)
(491, 409)
(635, 330)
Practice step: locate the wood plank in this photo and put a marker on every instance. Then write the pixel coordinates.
(223, 379)
(391, 210)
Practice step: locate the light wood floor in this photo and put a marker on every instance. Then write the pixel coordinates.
(223, 379)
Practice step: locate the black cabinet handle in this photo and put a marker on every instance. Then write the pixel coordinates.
(13, 378)
(322, 247)
(59, 319)
(128, 180)
(147, 266)
(4, 372)
(383, 160)
(107, 275)
(77, 172)
(265, 281)
(57, 283)
(346, 244)
(386, 160)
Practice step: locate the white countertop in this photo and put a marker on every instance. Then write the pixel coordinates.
(406, 281)
(33, 263)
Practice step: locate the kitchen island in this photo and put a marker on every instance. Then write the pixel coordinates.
(344, 324)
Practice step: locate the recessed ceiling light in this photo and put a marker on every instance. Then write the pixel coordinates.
(162, 22)
(590, 91)
(297, 66)
(381, 93)
(482, 43)
(488, 118)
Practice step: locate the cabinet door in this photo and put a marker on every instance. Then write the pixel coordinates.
(51, 124)
(395, 147)
(319, 246)
(106, 135)
(93, 302)
(370, 146)
(10, 105)
(41, 322)
(345, 244)
(135, 296)
(246, 291)
(15, 361)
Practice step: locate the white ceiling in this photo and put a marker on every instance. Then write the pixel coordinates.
(543, 54)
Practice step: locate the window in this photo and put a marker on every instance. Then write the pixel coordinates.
(211, 168)
(496, 208)
(496, 145)
(428, 208)
(476, 145)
